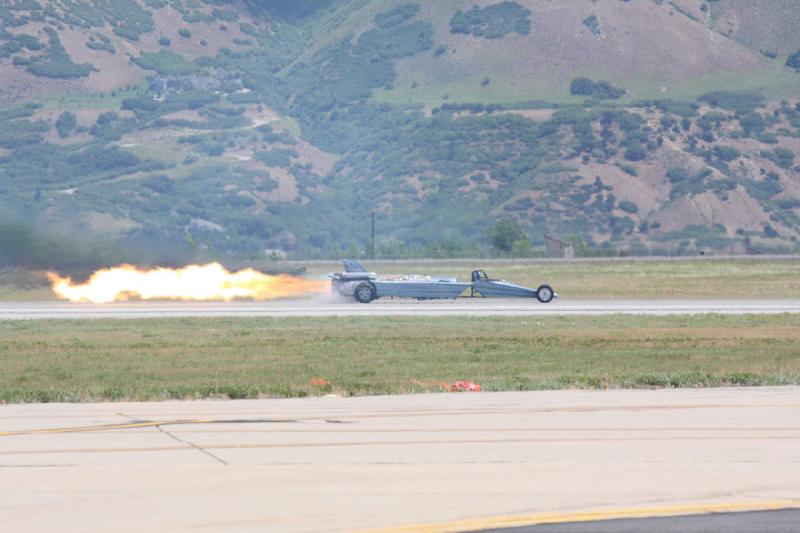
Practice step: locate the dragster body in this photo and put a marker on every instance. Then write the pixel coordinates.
(356, 282)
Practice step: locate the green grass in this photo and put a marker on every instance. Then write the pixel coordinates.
(504, 87)
(774, 82)
(288, 124)
(249, 358)
(92, 100)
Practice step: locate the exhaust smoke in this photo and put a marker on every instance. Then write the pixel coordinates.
(193, 282)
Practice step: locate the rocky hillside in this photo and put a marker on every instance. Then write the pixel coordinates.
(238, 128)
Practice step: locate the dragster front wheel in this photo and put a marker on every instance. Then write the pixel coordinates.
(545, 294)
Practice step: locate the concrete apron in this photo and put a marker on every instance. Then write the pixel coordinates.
(447, 462)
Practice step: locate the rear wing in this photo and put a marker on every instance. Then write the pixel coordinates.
(352, 265)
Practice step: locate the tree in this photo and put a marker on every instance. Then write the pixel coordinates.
(65, 124)
(581, 87)
(727, 153)
(505, 233)
(635, 152)
(794, 60)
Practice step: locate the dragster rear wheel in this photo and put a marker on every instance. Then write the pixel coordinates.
(365, 292)
(545, 294)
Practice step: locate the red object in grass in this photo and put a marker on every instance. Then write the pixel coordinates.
(319, 382)
(465, 386)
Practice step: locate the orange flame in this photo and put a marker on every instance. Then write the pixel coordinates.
(194, 282)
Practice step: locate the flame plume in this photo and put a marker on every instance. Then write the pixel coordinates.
(194, 282)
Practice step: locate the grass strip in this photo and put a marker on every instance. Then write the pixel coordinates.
(713, 278)
(623, 279)
(95, 360)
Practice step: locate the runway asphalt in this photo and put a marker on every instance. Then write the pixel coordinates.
(785, 521)
(421, 463)
(327, 307)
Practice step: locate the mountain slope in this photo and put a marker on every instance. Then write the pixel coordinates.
(651, 50)
(231, 128)
(763, 27)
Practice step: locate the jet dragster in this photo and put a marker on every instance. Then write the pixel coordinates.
(356, 282)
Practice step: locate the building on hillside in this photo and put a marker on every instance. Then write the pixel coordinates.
(559, 249)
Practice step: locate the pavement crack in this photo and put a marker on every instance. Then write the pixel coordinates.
(192, 445)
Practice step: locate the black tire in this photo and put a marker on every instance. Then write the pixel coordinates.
(545, 294)
(365, 292)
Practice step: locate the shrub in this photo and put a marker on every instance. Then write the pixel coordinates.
(19, 133)
(141, 103)
(504, 233)
(676, 175)
(267, 184)
(593, 24)
(98, 159)
(102, 43)
(28, 41)
(397, 15)
(794, 60)
(65, 124)
(492, 22)
(600, 89)
(727, 153)
(581, 87)
(789, 203)
(160, 184)
(395, 42)
(237, 200)
(770, 232)
(635, 152)
(276, 158)
(227, 14)
(56, 63)
(752, 122)
(744, 102)
(784, 157)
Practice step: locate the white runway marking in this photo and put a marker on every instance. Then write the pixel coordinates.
(461, 307)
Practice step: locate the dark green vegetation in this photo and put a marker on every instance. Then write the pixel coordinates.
(794, 60)
(248, 358)
(55, 62)
(592, 23)
(602, 90)
(492, 22)
(276, 127)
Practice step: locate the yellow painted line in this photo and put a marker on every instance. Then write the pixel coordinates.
(507, 521)
(105, 427)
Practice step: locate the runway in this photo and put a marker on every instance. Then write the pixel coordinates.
(326, 307)
(446, 462)
(782, 521)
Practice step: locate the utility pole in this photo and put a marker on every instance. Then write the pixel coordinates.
(372, 242)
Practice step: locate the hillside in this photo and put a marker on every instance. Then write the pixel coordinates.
(188, 128)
